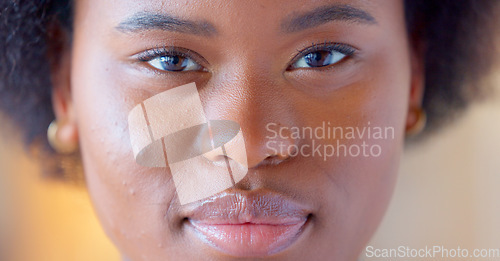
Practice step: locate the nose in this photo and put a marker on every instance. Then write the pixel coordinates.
(255, 101)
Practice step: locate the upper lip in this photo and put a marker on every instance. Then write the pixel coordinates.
(247, 207)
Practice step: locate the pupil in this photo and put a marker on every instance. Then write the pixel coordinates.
(170, 59)
(317, 59)
(174, 59)
(171, 63)
(317, 56)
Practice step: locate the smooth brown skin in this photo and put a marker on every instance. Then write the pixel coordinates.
(246, 81)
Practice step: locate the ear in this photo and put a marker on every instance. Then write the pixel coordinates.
(417, 86)
(60, 53)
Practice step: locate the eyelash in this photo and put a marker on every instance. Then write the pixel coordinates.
(329, 46)
(156, 52)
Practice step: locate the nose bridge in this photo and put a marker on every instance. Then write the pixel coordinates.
(253, 98)
(243, 94)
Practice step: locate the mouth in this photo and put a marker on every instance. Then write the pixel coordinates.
(248, 224)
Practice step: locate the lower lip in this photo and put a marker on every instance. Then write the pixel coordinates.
(249, 239)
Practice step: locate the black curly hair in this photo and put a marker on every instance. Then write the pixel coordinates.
(457, 36)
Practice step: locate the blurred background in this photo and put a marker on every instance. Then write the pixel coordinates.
(448, 194)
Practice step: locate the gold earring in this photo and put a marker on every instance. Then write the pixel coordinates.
(56, 144)
(419, 125)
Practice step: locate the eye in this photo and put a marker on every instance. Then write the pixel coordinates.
(319, 59)
(174, 63)
(321, 56)
(172, 59)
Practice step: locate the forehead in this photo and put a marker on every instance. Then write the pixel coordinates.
(224, 16)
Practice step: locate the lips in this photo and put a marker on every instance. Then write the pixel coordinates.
(248, 224)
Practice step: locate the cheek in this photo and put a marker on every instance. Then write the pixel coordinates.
(360, 187)
(131, 201)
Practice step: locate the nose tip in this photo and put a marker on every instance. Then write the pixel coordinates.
(251, 97)
(256, 149)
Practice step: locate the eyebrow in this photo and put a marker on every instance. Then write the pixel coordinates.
(145, 21)
(325, 14)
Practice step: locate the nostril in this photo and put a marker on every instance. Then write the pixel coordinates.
(273, 151)
(273, 160)
(286, 152)
(215, 155)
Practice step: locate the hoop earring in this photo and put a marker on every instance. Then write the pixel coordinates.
(419, 125)
(55, 143)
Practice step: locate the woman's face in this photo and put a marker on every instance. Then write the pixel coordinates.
(269, 66)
